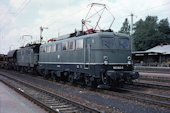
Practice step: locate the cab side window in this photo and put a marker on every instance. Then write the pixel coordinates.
(72, 45)
(53, 48)
(58, 47)
(79, 44)
(64, 46)
(48, 48)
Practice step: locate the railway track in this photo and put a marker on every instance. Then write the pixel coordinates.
(161, 101)
(49, 101)
(159, 79)
(150, 69)
(151, 85)
(155, 99)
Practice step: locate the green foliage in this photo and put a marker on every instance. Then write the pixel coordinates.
(126, 27)
(163, 26)
(149, 33)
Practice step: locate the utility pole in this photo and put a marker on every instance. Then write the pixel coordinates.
(131, 27)
(131, 30)
(41, 30)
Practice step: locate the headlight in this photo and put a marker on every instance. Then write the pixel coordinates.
(105, 57)
(106, 62)
(129, 58)
(129, 62)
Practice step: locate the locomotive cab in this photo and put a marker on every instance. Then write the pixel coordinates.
(111, 55)
(111, 49)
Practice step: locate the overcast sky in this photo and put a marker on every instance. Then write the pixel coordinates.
(24, 17)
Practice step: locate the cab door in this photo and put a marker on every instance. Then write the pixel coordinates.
(87, 52)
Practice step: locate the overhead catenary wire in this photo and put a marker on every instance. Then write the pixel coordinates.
(145, 10)
(164, 4)
(75, 13)
(138, 13)
(71, 14)
(20, 8)
(24, 4)
(53, 23)
(18, 11)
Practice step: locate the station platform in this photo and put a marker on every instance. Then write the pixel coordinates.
(12, 102)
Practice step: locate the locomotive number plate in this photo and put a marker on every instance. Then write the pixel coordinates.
(118, 67)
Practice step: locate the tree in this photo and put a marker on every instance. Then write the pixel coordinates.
(149, 33)
(163, 26)
(126, 27)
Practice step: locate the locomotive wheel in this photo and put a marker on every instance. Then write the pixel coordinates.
(71, 78)
(18, 68)
(41, 72)
(46, 74)
(22, 70)
(108, 81)
(104, 79)
(53, 77)
(129, 80)
(88, 81)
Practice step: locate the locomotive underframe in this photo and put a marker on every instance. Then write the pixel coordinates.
(96, 75)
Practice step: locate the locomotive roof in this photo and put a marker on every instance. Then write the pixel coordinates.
(99, 34)
(30, 45)
(11, 53)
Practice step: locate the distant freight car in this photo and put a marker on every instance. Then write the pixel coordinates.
(3, 60)
(12, 59)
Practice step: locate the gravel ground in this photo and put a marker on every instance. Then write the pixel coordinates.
(151, 90)
(105, 102)
(152, 82)
(150, 69)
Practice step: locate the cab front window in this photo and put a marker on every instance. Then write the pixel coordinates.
(124, 43)
(108, 43)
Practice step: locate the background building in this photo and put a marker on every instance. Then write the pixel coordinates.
(156, 56)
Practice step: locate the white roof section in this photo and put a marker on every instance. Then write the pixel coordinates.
(163, 49)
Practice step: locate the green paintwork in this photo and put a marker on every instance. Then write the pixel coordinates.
(94, 54)
(28, 56)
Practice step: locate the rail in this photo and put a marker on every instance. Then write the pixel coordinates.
(159, 86)
(155, 99)
(48, 100)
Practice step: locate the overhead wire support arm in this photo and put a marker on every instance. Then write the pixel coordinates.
(88, 13)
(97, 23)
(22, 38)
(112, 20)
(89, 18)
(95, 13)
(99, 4)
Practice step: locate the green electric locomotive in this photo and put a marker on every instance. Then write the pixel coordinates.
(101, 59)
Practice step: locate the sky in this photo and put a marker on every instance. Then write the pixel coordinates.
(25, 17)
